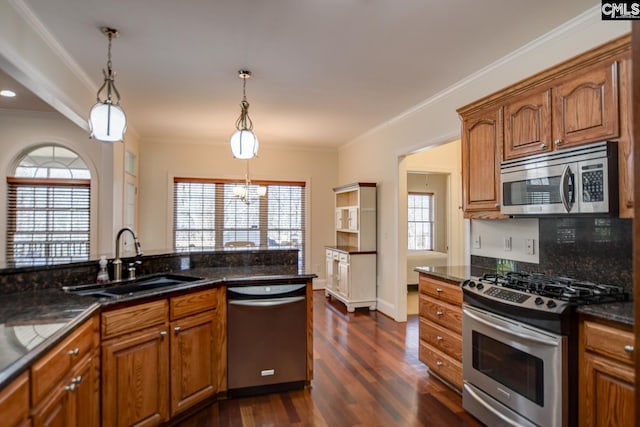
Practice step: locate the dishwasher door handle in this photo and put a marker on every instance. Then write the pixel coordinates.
(266, 302)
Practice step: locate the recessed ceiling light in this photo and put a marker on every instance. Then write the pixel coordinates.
(7, 93)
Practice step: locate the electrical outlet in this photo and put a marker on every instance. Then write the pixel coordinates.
(507, 244)
(529, 246)
(476, 242)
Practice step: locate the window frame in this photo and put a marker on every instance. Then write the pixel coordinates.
(430, 222)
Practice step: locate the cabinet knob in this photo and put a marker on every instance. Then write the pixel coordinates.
(76, 380)
(439, 363)
(74, 352)
(439, 290)
(70, 387)
(543, 146)
(176, 329)
(557, 142)
(438, 338)
(163, 334)
(497, 205)
(439, 313)
(628, 348)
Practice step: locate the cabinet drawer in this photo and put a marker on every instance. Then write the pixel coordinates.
(344, 257)
(447, 315)
(441, 338)
(440, 290)
(14, 401)
(122, 321)
(193, 303)
(608, 341)
(442, 365)
(329, 254)
(336, 255)
(54, 365)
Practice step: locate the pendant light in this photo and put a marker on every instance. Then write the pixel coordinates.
(107, 121)
(244, 143)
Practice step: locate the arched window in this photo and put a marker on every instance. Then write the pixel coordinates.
(48, 208)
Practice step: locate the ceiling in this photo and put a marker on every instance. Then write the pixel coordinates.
(324, 71)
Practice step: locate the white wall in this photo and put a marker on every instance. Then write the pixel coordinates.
(376, 155)
(160, 162)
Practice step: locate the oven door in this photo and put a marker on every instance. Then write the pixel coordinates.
(512, 371)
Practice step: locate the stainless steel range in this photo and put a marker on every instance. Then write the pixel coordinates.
(520, 345)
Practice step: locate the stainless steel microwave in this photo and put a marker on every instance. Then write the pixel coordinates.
(580, 180)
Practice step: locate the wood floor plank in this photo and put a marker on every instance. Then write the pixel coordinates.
(366, 373)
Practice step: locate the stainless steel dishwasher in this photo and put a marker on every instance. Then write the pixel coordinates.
(266, 338)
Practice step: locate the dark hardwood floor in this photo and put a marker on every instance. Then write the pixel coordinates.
(366, 373)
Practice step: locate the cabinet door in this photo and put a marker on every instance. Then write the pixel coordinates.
(585, 106)
(329, 271)
(193, 374)
(84, 393)
(135, 380)
(14, 402)
(54, 410)
(352, 220)
(343, 279)
(481, 156)
(607, 397)
(527, 125)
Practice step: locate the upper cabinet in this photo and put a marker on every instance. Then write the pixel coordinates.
(356, 216)
(579, 101)
(481, 156)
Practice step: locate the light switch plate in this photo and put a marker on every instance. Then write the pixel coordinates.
(529, 246)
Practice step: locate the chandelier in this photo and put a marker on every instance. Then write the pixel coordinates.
(244, 191)
(244, 143)
(107, 121)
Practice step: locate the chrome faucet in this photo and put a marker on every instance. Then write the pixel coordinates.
(117, 263)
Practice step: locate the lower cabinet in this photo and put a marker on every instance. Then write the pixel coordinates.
(351, 278)
(159, 358)
(14, 402)
(607, 376)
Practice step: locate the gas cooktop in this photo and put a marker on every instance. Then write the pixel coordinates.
(541, 292)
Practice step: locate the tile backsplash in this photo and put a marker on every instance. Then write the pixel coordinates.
(594, 249)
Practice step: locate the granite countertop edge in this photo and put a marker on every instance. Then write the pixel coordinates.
(620, 312)
(213, 277)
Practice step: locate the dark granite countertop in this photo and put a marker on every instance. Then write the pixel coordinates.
(454, 273)
(32, 322)
(621, 312)
(353, 250)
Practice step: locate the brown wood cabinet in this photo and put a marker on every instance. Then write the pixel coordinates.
(440, 328)
(14, 402)
(607, 376)
(481, 156)
(135, 365)
(194, 349)
(582, 100)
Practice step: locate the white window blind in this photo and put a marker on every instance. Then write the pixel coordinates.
(208, 215)
(48, 220)
(420, 220)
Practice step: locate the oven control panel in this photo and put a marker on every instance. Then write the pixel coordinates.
(506, 294)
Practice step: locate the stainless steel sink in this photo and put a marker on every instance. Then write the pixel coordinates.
(131, 287)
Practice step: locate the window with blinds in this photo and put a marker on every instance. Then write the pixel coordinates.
(420, 220)
(209, 214)
(47, 221)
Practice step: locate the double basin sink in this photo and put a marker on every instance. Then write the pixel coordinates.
(131, 287)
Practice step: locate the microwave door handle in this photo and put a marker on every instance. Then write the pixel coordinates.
(565, 179)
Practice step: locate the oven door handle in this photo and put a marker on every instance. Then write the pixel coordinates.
(266, 302)
(494, 324)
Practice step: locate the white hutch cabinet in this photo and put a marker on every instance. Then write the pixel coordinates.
(351, 262)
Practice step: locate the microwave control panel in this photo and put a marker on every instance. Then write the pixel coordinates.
(593, 184)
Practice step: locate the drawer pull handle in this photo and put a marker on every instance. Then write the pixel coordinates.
(628, 348)
(70, 387)
(438, 338)
(439, 290)
(439, 313)
(176, 329)
(543, 146)
(74, 352)
(558, 142)
(163, 334)
(76, 380)
(439, 363)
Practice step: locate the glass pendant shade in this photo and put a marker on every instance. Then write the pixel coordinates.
(107, 122)
(244, 144)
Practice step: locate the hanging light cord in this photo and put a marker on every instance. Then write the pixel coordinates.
(109, 75)
(244, 121)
